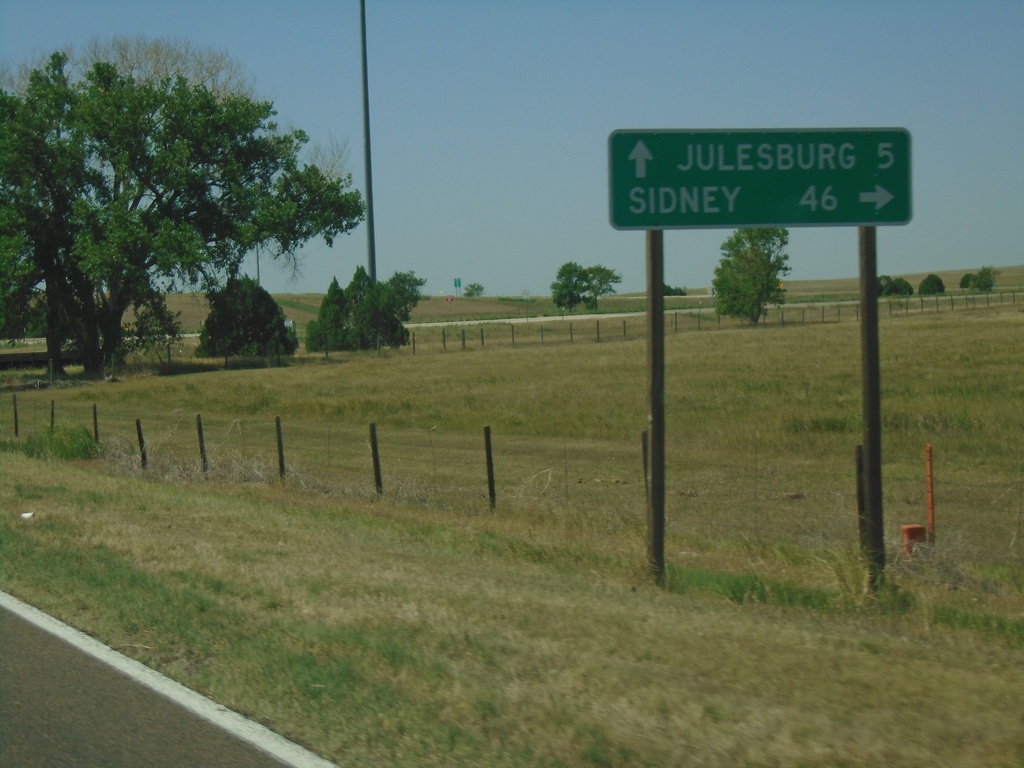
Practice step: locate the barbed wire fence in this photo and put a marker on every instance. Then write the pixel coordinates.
(472, 335)
(760, 498)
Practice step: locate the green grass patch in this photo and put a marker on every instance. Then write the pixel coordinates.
(1003, 628)
(65, 442)
(836, 425)
(741, 589)
(373, 632)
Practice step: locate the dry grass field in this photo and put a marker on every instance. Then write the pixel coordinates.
(421, 627)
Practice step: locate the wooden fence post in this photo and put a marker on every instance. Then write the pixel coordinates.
(142, 443)
(930, 492)
(53, 411)
(280, 447)
(375, 450)
(492, 494)
(202, 444)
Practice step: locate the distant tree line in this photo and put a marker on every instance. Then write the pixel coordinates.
(984, 280)
(245, 321)
(748, 277)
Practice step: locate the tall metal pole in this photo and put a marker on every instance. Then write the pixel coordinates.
(371, 245)
(874, 538)
(656, 404)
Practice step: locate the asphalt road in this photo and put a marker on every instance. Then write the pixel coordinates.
(62, 707)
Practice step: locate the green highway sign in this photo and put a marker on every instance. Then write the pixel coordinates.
(704, 179)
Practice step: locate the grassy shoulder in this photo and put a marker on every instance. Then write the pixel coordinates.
(381, 632)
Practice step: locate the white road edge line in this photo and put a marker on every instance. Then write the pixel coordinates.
(253, 733)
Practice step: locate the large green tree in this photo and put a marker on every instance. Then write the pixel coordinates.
(600, 282)
(366, 315)
(570, 286)
(894, 286)
(327, 332)
(575, 285)
(982, 280)
(115, 189)
(931, 286)
(749, 276)
(245, 320)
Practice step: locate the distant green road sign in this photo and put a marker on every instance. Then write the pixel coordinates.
(703, 179)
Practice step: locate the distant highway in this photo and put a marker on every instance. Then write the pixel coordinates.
(544, 318)
(555, 318)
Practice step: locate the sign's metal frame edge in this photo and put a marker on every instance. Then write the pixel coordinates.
(789, 224)
(851, 129)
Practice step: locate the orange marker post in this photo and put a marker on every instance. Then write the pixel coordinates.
(930, 493)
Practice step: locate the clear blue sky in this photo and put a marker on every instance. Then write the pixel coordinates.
(490, 118)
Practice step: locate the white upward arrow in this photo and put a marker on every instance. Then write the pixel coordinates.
(640, 155)
(879, 197)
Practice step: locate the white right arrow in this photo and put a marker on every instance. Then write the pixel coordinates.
(640, 155)
(879, 197)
